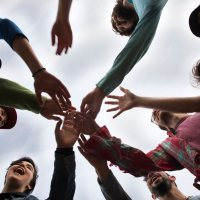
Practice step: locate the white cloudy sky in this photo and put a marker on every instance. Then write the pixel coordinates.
(164, 71)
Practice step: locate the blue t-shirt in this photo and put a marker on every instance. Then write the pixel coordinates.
(9, 30)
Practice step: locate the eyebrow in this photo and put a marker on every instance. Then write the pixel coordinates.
(30, 165)
(26, 164)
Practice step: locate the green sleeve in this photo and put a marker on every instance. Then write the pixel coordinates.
(14, 95)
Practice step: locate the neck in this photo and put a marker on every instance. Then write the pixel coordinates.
(174, 194)
(176, 119)
(11, 189)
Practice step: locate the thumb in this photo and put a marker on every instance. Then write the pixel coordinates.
(56, 118)
(82, 152)
(57, 129)
(39, 97)
(123, 89)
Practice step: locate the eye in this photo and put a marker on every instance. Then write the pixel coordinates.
(29, 167)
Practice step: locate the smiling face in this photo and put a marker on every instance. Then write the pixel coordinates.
(159, 183)
(19, 176)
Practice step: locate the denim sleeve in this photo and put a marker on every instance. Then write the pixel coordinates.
(63, 181)
(9, 31)
(112, 189)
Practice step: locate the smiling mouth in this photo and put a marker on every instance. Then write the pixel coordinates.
(19, 171)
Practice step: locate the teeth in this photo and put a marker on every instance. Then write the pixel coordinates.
(19, 171)
(154, 178)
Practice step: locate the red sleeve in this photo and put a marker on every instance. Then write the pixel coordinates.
(164, 160)
(128, 159)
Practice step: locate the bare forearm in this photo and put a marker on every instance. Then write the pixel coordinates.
(179, 104)
(63, 9)
(24, 50)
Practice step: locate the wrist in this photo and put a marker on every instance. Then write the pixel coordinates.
(100, 92)
(102, 173)
(66, 151)
(136, 101)
(40, 70)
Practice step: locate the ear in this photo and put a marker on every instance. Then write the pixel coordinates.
(28, 187)
(172, 178)
(153, 196)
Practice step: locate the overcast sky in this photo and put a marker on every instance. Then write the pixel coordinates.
(164, 71)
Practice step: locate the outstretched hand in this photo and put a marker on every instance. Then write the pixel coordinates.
(91, 103)
(83, 123)
(67, 135)
(61, 31)
(50, 110)
(46, 82)
(97, 163)
(122, 103)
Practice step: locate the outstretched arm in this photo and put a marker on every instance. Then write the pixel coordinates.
(139, 42)
(61, 30)
(133, 51)
(44, 81)
(128, 159)
(14, 95)
(109, 185)
(171, 104)
(63, 181)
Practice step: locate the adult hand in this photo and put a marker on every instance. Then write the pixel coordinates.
(123, 103)
(67, 135)
(49, 109)
(86, 125)
(91, 103)
(97, 163)
(61, 31)
(83, 123)
(46, 82)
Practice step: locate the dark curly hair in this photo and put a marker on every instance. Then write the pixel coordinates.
(196, 74)
(127, 13)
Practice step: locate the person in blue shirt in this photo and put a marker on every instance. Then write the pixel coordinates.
(43, 80)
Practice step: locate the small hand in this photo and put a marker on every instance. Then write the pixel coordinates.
(46, 82)
(67, 135)
(61, 31)
(91, 103)
(123, 103)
